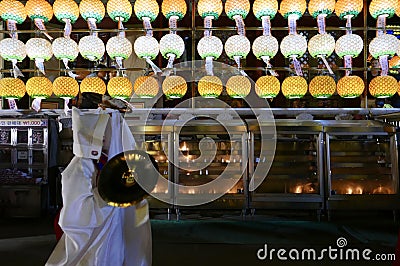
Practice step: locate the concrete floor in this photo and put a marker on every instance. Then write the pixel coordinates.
(220, 239)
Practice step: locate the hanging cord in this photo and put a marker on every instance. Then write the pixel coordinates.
(121, 28)
(36, 104)
(208, 25)
(348, 24)
(348, 64)
(40, 25)
(381, 25)
(173, 24)
(147, 26)
(209, 66)
(237, 60)
(39, 62)
(92, 26)
(266, 24)
(383, 61)
(16, 71)
(292, 24)
(13, 104)
(67, 69)
(170, 65)
(326, 63)
(297, 66)
(67, 28)
(12, 28)
(321, 24)
(240, 25)
(155, 68)
(268, 68)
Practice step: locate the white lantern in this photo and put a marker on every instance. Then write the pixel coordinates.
(65, 48)
(237, 45)
(39, 49)
(293, 45)
(12, 49)
(349, 44)
(119, 47)
(210, 46)
(172, 44)
(321, 45)
(146, 47)
(91, 47)
(385, 44)
(265, 45)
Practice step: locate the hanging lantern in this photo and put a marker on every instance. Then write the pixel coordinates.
(321, 45)
(39, 49)
(383, 46)
(348, 8)
(40, 11)
(66, 10)
(13, 50)
(238, 86)
(210, 87)
(171, 46)
(265, 46)
(386, 8)
(118, 48)
(65, 48)
(210, 48)
(209, 8)
(322, 87)
(321, 7)
(174, 87)
(237, 8)
(39, 87)
(119, 10)
(294, 46)
(294, 87)
(383, 86)
(13, 12)
(12, 88)
(350, 86)
(91, 47)
(237, 47)
(394, 62)
(146, 47)
(92, 11)
(176, 8)
(349, 44)
(265, 8)
(293, 7)
(65, 87)
(146, 9)
(119, 87)
(267, 87)
(94, 85)
(146, 87)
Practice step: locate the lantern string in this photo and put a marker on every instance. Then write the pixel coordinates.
(348, 64)
(383, 61)
(209, 66)
(348, 25)
(173, 24)
(321, 23)
(240, 25)
(266, 24)
(297, 66)
(69, 71)
(16, 71)
(121, 28)
(326, 64)
(155, 68)
(66, 108)
(12, 28)
(269, 66)
(381, 25)
(12, 104)
(92, 25)
(118, 60)
(147, 26)
(237, 60)
(292, 23)
(208, 25)
(40, 25)
(39, 62)
(170, 65)
(67, 28)
(36, 104)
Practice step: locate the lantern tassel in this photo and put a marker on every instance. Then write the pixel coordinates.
(321, 23)
(69, 71)
(173, 24)
(297, 66)
(67, 27)
(381, 25)
(13, 104)
(208, 25)
(348, 25)
(383, 61)
(155, 68)
(92, 25)
(16, 71)
(237, 60)
(348, 64)
(36, 104)
(66, 108)
(147, 26)
(269, 66)
(292, 24)
(326, 64)
(12, 28)
(209, 66)
(39, 62)
(121, 28)
(240, 25)
(118, 60)
(170, 65)
(40, 25)
(266, 24)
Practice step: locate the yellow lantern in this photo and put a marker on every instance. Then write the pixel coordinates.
(398, 88)
(209, 8)
(265, 8)
(146, 87)
(39, 9)
(346, 8)
(91, 47)
(12, 88)
(322, 86)
(39, 87)
(92, 9)
(65, 87)
(383, 86)
(94, 85)
(237, 7)
(398, 10)
(119, 10)
(350, 86)
(238, 86)
(319, 7)
(267, 87)
(386, 8)
(174, 87)
(293, 7)
(176, 8)
(294, 87)
(119, 87)
(146, 9)
(12, 10)
(66, 10)
(394, 62)
(210, 87)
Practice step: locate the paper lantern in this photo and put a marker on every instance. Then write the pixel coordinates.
(209, 8)
(210, 87)
(294, 87)
(119, 10)
(66, 9)
(265, 45)
(172, 44)
(350, 86)
(12, 88)
(237, 45)
(39, 87)
(238, 86)
(65, 48)
(293, 7)
(237, 7)
(174, 87)
(119, 87)
(210, 46)
(146, 87)
(91, 47)
(65, 87)
(94, 85)
(12, 10)
(146, 47)
(322, 87)
(119, 46)
(39, 9)
(321, 45)
(385, 44)
(267, 87)
(12, 49)
(383, 86)
(349, 44)
(386, 8)
(173, 8)
(146, 9)
(345, 8)
(394, 62)
(39, 48)
(318, 7)
(265, 8)
(293, 45)
(398, 10)
(92, 9)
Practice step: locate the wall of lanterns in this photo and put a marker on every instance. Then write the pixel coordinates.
(171, 46)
